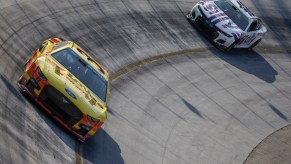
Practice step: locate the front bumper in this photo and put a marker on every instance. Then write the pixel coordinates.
(77, 127)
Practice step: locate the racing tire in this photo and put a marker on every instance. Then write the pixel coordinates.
(232, 45)
(255, 44)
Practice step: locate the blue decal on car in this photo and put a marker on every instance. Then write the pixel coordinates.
(70, 93)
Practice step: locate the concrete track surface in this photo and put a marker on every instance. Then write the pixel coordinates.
(180, 101)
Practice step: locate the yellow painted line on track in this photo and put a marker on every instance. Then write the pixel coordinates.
(146, 61)
(139, 64)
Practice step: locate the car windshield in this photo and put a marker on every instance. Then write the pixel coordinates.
(233, 13)
(83, 71)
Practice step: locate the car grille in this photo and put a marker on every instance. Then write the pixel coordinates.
(60, 106)
(83, 129)
(30, 87)
(205, 27)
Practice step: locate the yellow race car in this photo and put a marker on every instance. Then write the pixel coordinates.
(69, 84)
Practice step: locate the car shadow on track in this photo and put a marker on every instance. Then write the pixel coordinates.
(279, 113)
(102, 149)
(250, 62)
(192, 108)
(245, 60)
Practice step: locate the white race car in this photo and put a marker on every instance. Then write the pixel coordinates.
(227, 23)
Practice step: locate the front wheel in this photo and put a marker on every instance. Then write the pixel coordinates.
(232, 45)
(255, 44)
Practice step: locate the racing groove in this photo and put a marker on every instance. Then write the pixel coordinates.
(210, 107)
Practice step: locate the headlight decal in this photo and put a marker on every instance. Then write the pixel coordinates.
(40, 74)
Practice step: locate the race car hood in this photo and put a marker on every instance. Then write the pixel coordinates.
(219, 19)
(61, 79)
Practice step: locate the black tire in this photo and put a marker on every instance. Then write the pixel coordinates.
(255, 44)
(232, 45)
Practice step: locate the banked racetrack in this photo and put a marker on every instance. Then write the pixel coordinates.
(174, 98)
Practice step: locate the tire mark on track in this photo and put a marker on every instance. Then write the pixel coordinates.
(55, 18)
(31, 22)
(15, 32)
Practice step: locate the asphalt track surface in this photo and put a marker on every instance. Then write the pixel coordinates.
(174, 98)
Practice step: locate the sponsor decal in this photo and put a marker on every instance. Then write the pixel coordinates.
(219, 17)
(220, 20)
(93, 101)
(230, 25)
(65, 101)
(247, 39)
(80, 86)
(70, 93)
(236, 35)
(202, 2)
(54, 40)
(211, 8)
(216, 16)
(58, 70)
